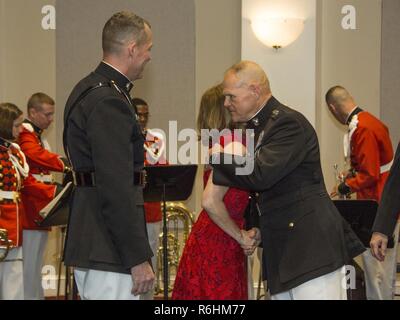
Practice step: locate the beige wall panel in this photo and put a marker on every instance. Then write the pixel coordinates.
(27, 65)
(218, 34)
(390, 85)
(350, 58)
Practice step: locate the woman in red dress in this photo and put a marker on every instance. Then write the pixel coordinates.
(213, 264)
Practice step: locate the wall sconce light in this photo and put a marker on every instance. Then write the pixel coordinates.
(277, 32)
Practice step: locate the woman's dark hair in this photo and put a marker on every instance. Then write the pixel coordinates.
(9, 112)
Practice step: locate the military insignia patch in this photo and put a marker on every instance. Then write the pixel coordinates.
(274, 114)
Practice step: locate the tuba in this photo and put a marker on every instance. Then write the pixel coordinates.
(179, 220)
(5, 244)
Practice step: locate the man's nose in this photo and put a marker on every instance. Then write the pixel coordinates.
(227, 102)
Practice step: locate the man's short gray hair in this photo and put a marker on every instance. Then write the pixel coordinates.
(122, 27)
(249, 72)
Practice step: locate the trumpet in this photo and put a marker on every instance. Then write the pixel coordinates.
(5, 244)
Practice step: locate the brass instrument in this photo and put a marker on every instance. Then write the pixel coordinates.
(180, 220)
(5, 244)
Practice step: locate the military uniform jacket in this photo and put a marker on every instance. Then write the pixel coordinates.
(371, 155)
(13, 171)
(36, 195)
(106, 229)
(303, 234)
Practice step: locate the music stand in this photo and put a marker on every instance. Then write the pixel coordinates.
(59, 218)
(168, 183)
(360, 214)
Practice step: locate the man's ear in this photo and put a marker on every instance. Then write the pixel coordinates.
(132, 48)
(255, 90)
(31, 112)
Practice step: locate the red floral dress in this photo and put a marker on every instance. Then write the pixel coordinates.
(213, 265)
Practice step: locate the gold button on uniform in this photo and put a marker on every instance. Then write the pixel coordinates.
(291, 225)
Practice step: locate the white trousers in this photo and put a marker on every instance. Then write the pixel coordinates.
(33, 247)
(153, 232)
(103, 285)
(326, 287)
(380, 277)
(11, 276)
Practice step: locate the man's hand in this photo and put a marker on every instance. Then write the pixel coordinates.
(378, 245)
(216, 149)
(235, 148)
(334, 193)
(247, 242)
(254, 239)
(142, 278)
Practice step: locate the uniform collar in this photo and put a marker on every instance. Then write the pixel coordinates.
(110, 72)
(35, 127)
(355, 111)
(259, 120)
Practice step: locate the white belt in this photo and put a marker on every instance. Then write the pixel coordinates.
(386, 167)
(43, 177)
(9, 195)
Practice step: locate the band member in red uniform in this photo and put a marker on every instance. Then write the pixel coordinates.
(36, 195)
(368, 148)
(154, 148)
(13, 171)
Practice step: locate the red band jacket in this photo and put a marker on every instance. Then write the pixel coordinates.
(36, 194)
(371, 155)
(13, 171)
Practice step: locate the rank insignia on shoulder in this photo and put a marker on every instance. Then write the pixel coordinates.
(256, 122)
(274, 114)
(115, 86)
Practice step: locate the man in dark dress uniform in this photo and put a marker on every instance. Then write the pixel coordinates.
(306, 242)
(106, 240)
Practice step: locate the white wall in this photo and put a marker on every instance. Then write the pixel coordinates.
(291, 70)
(324, 55)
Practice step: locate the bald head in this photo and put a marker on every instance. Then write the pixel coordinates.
(340, 103)
(246, 89)
(250, 73)
(337, 95)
